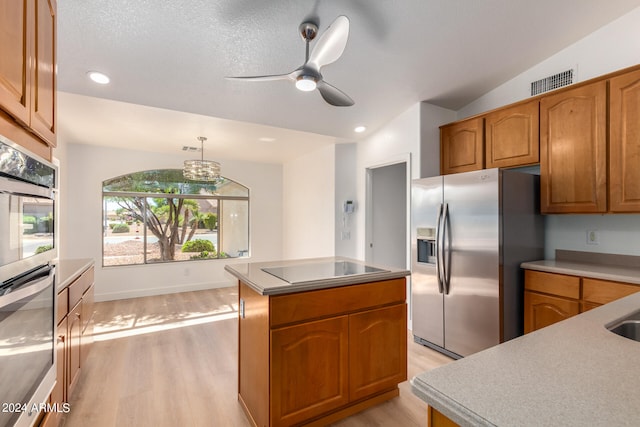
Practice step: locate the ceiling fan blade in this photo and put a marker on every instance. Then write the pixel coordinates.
(331, 44)
(333, 95)
(287, 76)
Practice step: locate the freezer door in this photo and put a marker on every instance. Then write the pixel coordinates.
(426, 299)
(472, 300)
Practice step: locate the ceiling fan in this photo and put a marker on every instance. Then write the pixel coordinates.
(327, 50)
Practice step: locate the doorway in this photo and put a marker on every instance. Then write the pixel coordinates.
(387, 215)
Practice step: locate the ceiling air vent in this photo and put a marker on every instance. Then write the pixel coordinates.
(188, 148)
(562, 79)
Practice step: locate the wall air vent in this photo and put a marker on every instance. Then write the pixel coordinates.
(188, 148)
(556, 81)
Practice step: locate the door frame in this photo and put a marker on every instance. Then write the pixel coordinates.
(401, 158)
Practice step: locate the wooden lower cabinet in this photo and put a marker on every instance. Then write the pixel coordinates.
(435, 418)
(309, 370)
(319, 356)
(74, 339)
(550, 298)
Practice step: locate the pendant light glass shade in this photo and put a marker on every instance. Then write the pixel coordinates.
(201, 170)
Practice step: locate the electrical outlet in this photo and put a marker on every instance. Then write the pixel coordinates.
(593, 237)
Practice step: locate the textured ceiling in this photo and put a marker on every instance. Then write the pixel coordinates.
(175, 54)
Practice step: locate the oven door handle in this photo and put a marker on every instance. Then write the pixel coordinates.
(27, 289)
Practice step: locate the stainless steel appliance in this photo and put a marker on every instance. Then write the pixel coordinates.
(470, 232)
(27, 284)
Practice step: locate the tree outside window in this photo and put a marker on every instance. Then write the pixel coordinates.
(157, 216)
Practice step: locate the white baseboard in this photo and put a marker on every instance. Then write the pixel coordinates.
(137, 293)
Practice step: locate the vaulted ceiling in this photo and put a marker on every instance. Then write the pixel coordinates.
(168, 59)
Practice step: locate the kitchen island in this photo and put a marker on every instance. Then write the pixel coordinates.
(573, 373)
(319, 339)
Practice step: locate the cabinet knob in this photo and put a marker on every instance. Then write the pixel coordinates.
(60, 338)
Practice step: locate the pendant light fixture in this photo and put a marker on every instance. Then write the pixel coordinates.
(201, 170)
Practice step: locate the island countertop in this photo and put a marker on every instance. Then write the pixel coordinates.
(572, 373)
(254, 275)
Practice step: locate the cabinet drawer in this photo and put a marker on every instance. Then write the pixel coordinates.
(79, 286)
(603, 291)
(62, 305)
(551, 283)
(87, 307)
(285, 309)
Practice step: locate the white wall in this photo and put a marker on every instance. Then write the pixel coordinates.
(309, 205)
(397, 141)
(611, 48)
(346, 235)
(87, 166)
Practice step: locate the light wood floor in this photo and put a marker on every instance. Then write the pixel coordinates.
(171, 360)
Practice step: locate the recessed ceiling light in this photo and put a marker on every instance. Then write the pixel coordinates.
(98, 77)
(360, 129)
(266, 139)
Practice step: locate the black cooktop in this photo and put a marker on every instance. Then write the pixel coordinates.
(314, 271)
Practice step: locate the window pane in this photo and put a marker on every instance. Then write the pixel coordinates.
(171, 181)
(123, 232)
(202, 240)
(235, 228)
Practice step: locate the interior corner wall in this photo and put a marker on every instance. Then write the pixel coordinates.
(611, 48)
(86, 167)
(431, 118)
(309, 205)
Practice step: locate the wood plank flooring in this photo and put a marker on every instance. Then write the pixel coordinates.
(171, 360)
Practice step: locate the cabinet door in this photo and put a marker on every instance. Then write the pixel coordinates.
(74, 333)
(511, 136)
(309, 370)
(544, 310)
(573, 150)
(58, 394)
(462, 146)
(377, 350)
(86, 340)
(15, 49)
(44, 83)
(624, 143)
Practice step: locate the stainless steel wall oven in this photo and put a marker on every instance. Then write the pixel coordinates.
(27, 283)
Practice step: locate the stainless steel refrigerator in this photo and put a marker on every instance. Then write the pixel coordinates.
(470, 232)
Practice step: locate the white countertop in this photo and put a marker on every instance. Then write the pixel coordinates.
(594, 271)
(572, 373)
(267, 284)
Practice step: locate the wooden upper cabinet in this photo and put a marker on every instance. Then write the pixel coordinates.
(44, 85)
(28, 66)
(15, 42)
(573, 150)
(511, 136)
(462, 146)
(624, 142)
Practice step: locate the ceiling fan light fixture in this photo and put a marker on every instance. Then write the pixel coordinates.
(201, 170)
(306, 83)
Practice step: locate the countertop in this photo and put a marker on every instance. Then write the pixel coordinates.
(572, 373)
(67, 270)
(267, 284)
(595, 271)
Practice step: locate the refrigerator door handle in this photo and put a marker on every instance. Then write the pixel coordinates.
(439, 258)
(446, 250)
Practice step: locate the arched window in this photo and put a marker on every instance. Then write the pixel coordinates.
(158, 216)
